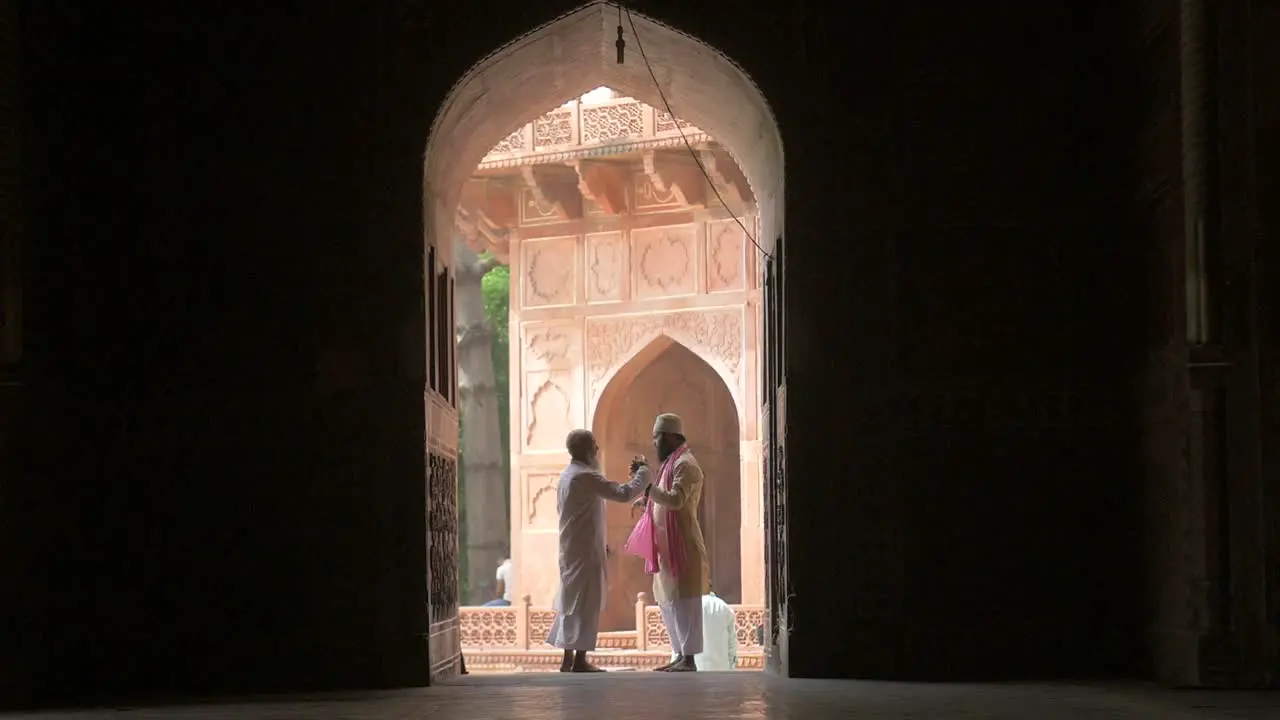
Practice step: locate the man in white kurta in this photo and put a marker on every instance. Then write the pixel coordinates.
(580, 502)
(679, 585)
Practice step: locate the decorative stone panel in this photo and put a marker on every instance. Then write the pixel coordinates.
(550, 268)
(552, 408)
(551, 345)
(555, 129)
(603, 123)
(607, 277)
(540, 489)
(665, 261)
(725, 257)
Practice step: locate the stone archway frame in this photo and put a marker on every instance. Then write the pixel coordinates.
(619, 347)
(574, 54)
(564, 59)
(633, 350)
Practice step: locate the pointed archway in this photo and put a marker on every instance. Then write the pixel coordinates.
(574, 54)
(560, 60)
(666, 376)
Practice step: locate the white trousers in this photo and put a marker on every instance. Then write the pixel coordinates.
(683, 618)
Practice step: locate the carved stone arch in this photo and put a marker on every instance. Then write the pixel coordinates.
(666, 375)
(537, 72)
(614, 363)
(574, 54)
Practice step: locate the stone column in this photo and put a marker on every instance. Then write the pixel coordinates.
(752, 473)
(515, 386)
(752, 528)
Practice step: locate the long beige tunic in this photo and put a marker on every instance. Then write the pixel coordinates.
(680, 505)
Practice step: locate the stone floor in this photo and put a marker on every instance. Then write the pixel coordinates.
(715, 696)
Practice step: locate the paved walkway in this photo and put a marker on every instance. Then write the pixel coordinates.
(720, 696)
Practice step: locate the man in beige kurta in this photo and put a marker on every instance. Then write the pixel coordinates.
(675, 494)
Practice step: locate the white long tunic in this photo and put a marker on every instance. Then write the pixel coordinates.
(581, 598)
(719, 636)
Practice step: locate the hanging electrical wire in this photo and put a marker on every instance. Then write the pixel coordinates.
(621, 46)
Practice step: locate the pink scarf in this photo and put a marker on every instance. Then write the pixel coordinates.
(643, 541)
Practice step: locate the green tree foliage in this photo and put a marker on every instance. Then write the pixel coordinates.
(497, 307)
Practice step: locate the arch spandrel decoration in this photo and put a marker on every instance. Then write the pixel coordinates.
(714, 335)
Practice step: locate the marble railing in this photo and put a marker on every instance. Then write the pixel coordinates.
(579, 126)
(520, 631)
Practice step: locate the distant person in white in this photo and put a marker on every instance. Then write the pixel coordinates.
(503, 588)
(580, 501)
(719, 636)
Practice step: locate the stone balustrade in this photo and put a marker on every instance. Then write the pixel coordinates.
(579, 126)
(514, 638)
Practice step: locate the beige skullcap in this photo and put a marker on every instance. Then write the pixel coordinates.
(668, 423)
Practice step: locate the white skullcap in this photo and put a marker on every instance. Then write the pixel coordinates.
(668, 423)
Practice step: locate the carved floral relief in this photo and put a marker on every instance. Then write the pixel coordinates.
(725, 261)
(664, 261)
(552, 408)
(549, 272)
(551, 345)
(540, 491)
(606, 267)
(716, 335)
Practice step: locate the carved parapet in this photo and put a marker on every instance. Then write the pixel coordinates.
(676, 172)
(747, 618)
(567, 154)
(642, 602)
(555, 190)
(522, 622)
(604, 183)
(513, 638)
(490, 627)
(653, 632)
(519, 141)
(505, 662)
(577, 126)
(540, 621)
